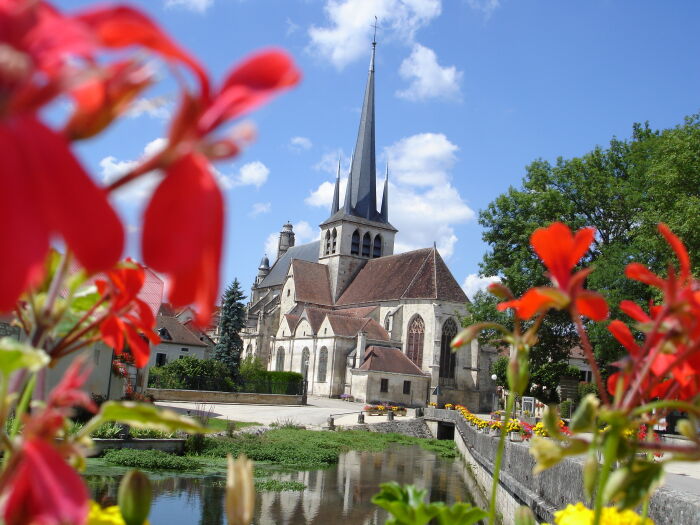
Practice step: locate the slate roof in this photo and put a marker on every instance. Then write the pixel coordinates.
(350, 326)
(178, 332)
(278, 272)
(312, 283)
(420, 274)
(385, 359)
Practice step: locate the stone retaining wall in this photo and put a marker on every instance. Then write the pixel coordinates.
(208, 396)
(552, 489)
(407, 427)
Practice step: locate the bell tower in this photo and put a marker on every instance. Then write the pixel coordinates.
(357, 231)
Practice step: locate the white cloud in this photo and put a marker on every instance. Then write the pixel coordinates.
(349, 28)
(251, 174)
(487, 7)
(322, 196)
(156, 107)
(300, 143)
(423, 204)
(421, 160)
(199, 6)
(271, 245)
(260, 207)
(474, 283)
(329, 162)
(291, 26)
(427, 78)
(140, 189)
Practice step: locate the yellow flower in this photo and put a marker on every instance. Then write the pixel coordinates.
(107, 516)
(580, 515)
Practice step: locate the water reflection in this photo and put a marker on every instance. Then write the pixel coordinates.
(339, 493)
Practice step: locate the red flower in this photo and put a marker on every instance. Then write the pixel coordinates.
(40, 488)
(129, 317)
(560, 251)
(189, 196)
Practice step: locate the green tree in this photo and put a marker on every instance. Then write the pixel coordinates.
(623, 191)
(231, 321)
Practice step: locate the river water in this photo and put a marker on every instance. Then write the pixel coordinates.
(341, 493)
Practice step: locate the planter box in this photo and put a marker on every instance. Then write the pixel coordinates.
(515, 436)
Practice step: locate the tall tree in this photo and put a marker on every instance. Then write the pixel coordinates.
(231, 321)
(623, 190)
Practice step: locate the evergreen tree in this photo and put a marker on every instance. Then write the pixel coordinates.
(231, 321)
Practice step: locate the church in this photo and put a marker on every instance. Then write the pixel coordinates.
(357, 320)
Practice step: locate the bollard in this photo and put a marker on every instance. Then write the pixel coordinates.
(390, 415)
(419, 412)
(361, 418)
(331, 423)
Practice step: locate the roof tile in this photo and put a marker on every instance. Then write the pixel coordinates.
(384, 359)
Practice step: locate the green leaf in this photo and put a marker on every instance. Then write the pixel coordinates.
(629, 485)
(83, 302)
(144, 415)
(461, 514)
(15, 355)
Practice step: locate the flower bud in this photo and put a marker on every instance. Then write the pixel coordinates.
(240, 491)
(687, 429)
(584, 418)
(590, 474)
(134, 497)
(551, 421)
(546, 452)
(518, 373)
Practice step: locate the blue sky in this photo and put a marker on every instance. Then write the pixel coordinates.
(468, 92)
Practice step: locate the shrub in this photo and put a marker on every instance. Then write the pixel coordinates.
(150, 460)
(565, 408)
(109, 430)
(273, 382)
(190, 373)
(584, 389)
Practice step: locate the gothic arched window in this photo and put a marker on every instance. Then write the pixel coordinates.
(377, 250)
(366, 241)
(328, 243)
(447, 356)
(280, 359)
(305, 362)
(334, 238)
(355, 246)
(322, 364)
(249, 350)
(414, 349)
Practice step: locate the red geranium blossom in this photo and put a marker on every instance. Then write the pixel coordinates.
(560, 251)
(129, 317)
(41, 488)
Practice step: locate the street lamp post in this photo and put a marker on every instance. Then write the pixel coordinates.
(495, 394)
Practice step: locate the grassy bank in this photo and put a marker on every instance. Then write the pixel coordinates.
(309, 450)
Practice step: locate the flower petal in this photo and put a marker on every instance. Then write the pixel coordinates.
(77, 209)
(634, 311)
(624, 336)
(592, 305)
(559, 250)
(678, 247)
(24, 233)
(251, 84)
(641, 273)
(532, 302)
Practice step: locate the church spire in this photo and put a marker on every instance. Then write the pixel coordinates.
(347, 207)
(336, 192)
(385, 197)
(363, 175)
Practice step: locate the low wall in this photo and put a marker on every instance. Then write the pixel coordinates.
(552, 489)
(208, 396)
(408, 427)
(174, 446)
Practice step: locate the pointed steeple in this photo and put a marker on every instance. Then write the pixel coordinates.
(336, 192)
(347, 208)
(363, 175)
(385, 197)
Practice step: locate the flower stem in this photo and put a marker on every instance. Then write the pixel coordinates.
(499, 458)
(588, 349)
(609, 455)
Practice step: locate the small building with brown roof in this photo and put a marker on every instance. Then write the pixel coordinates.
(348, 313)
